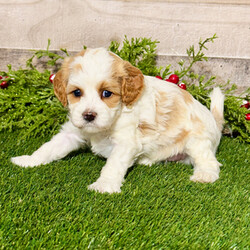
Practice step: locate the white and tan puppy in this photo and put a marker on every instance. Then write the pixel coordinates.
(128, 117)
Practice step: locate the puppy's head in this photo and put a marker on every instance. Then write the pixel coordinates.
(95, 84)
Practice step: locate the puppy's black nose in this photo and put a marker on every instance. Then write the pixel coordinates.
(89, 116)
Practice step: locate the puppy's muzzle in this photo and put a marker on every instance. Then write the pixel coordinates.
(89, 116)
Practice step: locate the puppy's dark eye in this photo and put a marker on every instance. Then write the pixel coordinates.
(106, 93)
(77, 93)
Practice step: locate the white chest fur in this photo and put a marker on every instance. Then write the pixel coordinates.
(101, 145)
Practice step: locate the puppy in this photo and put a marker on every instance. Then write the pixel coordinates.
(127, 117)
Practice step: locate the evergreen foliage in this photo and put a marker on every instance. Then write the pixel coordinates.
(29, 102)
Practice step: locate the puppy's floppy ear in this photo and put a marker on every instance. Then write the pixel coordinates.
(132, 85)
(60, 83)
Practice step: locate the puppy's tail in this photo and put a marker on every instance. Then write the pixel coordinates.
(217, 107)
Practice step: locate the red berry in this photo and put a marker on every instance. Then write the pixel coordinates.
(159, 77)
(1, 77)
(245, 104)
(248, 117)
(4, 85)
(173, 78)
(51, 78)
(169, 81)
(182, 86)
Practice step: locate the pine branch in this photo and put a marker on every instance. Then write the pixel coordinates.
(52, 57)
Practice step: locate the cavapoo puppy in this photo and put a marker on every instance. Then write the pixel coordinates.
(128, 117)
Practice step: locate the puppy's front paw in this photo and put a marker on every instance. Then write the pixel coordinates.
(24, 161)
(105, 186)
(204, 176)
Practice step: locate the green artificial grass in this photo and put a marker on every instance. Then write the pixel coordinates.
(50, 207)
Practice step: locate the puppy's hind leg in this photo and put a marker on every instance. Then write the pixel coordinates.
(206, 166)
(58, 147)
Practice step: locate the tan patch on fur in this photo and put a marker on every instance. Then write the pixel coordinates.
(219, 119)
(175, 116)
(146, 128)
(160, 100)
(77, 68)
(198, 125)
(118, 70)
(112, 101)
(181, 136)
(130, 78)
(132, 85)
(81, 53)
(113, 87)
(61, 79)
(187, 97)
(71, 97)
(164, 108)
(170, 115)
